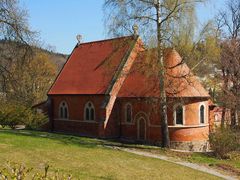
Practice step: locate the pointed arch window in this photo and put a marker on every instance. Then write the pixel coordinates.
(89, 112)
(128, 113)
(202, 114)
(63, 110)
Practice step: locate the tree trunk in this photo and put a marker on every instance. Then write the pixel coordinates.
(225, 88)
(223, 117)
(234, 117)
(163, 98)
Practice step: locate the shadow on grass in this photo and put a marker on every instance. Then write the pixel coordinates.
(87, 142)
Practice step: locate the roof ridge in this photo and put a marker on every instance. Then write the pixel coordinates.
(121, 65)
(103, 40)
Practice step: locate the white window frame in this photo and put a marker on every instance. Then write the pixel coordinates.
(174, 114)
(59, 109)
(126, 105)
(199, 113)
(85, 115)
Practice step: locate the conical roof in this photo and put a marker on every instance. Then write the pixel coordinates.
(143, 80)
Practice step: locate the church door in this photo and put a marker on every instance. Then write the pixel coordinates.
(141, 129)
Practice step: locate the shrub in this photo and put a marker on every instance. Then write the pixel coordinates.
(3, 122)
(21, 172)
(34, 120)
(12, 114)
(224, 141)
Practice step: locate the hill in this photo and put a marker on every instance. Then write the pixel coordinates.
(57, 58)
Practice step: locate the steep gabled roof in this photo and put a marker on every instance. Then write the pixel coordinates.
(143, 80)
(91, 67)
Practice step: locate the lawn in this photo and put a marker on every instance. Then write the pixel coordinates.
(85, 158)
(229, 166)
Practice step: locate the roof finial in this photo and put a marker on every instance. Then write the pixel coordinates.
(135, 29)
(79, 38)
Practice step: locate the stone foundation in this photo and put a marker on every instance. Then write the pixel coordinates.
(194, 146)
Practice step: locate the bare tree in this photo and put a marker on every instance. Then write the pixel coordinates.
(13, 22)
(15, 44)
(228, 22)
(159, 19)
(230, 60)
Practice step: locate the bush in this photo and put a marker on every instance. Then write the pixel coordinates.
(12, 114)
(3, 122)
(223, 141)
(34, 120)
(20, 172)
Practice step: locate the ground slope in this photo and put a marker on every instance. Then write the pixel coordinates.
(86, 158)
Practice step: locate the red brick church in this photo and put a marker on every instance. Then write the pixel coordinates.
(109, 89)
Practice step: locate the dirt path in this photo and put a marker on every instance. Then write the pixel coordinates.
(186, 164)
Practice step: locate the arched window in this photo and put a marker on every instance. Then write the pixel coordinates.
(202, 114)
(63, 110)
(128, 113)
(89, 112)
(179, 115)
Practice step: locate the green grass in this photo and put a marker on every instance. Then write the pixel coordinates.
(233, 163)
(209, 159)
(230, 166)
(85, 158)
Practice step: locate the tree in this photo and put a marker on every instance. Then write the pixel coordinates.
(200, 51)
(26, 73)
(230, 60)
(228, 22)
(202, 54)
(13, 22)
(15, 37)
(159, 19)
(33, 79)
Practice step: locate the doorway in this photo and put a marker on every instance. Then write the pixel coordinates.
(141, 129)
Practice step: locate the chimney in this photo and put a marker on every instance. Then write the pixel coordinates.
(135, 30)
(79, 38)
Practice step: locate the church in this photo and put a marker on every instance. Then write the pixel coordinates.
(110, 89)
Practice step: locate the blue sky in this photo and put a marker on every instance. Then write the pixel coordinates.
(59, 21)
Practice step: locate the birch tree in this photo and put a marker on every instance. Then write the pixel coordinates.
(158, 21)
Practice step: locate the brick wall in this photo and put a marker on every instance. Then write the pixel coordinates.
(76, 124)
(192, 130)
(117, 126)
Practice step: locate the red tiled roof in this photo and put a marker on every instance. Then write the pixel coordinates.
(142, 81)
(91, 67)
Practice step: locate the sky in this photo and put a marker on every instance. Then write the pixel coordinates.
(59, 21)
